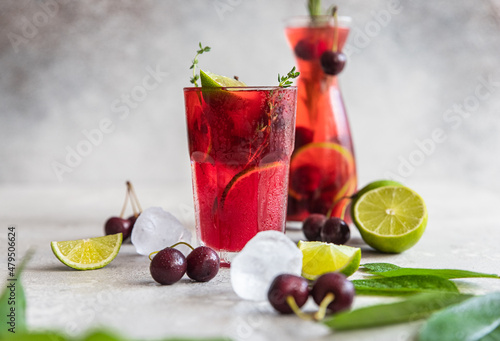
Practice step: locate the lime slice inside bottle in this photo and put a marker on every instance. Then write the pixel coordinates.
(320, 258)
(88, 254)
(391, 218)
(334, 165)
(211, 80)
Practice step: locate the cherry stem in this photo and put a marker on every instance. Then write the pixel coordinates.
(320, 314)
(152, 253)
(295, 308)
(132, 200)
(183, 243)
(336, 27)
(124, 204)
(136, 199)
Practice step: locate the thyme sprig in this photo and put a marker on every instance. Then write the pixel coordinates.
(195, 77)
(285, 81)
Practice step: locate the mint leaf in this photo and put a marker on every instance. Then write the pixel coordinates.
(414, 308)
(391, 270)
(403, 285)
(474, 319)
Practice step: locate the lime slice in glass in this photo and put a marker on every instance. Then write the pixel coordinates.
(320, 258)
(211, 80)
(391, 218)
(88, 254)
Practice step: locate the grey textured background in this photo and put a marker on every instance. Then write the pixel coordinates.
(65, 75)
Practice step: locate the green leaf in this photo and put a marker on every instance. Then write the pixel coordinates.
(13, 302)
(474, 319)
(391, 270)
(414, 308)
(403, 285)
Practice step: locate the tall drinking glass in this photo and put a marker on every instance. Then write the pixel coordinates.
(240, 143)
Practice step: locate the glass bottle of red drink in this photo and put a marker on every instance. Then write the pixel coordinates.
(322, 168)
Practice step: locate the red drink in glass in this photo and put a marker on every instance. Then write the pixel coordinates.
(240, 142)
(322, 167)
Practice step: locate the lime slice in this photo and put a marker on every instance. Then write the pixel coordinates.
(211, 80)
(334, 162)
(390, 219)
(88, 254)
(252, 202)
(320, 258)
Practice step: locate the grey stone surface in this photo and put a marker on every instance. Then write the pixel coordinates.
(463, 233)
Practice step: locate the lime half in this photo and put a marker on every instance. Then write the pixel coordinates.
(211, 80)
(88, 254)
(375, 184)
(390, 219)
(320, 258)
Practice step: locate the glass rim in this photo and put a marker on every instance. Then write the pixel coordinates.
(305, 20)
(241, 88)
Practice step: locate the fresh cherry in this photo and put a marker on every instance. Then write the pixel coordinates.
(118, 225)
(306, 179)
(286, 285)
(303, 136)
(202, 264)
(335, 230)
(304, 49)
(313, 225)
(168, 266)
(336, 284)
(333, 63)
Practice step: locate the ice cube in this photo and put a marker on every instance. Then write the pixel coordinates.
(156, 229)
(265, 256)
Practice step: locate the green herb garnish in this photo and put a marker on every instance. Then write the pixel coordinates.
(391, 270)
(314, 7)
(414, 308)
(475, 319)
(195, 77)
(284, 81)
(403, 285)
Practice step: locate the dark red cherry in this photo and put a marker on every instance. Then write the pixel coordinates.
(288, 285)
(203, 264)
(306, 179)
(304, 49)
(337, 284)
(335, 230)
(333, 63)
(312, 226)
(168, 266)
(118, 225)
(303, 136)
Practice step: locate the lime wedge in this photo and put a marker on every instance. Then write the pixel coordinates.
(211, 80)
(88, 254)
(391, 218)
(320, 258)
